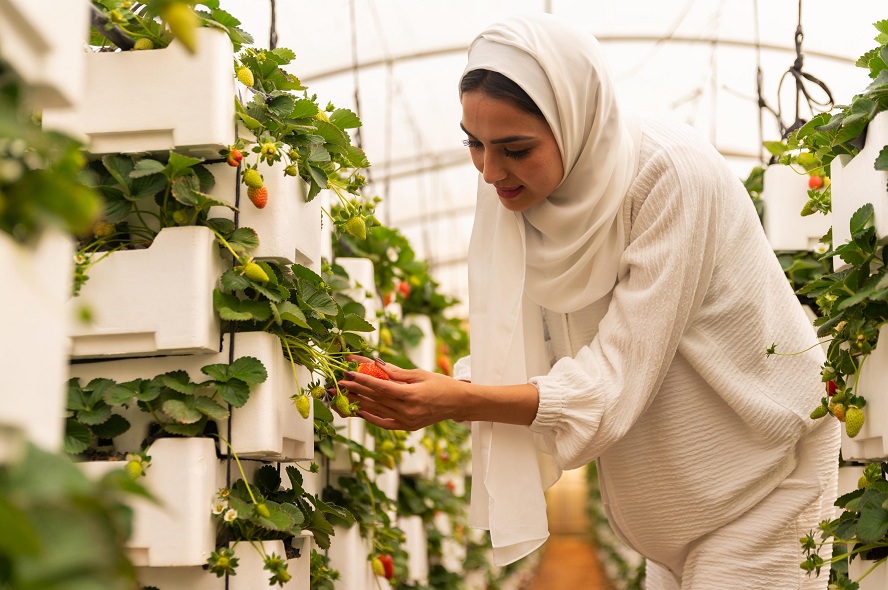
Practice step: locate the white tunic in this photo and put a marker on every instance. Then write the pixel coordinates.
(709, 464)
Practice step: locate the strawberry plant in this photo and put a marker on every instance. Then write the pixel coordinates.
(152, 24)
(178, 405)
(266, 511)
(41, 173)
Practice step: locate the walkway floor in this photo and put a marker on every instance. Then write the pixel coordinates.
(569, 562)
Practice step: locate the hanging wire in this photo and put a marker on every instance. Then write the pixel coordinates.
(273, 34)
(801, 90)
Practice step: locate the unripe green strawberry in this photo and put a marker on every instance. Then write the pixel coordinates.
(317, 392)
(356, 227)
(819, 412)
(863, 482)
(143, 43)
(322, 116)
(303, 404)
(183, 23)
(182, 216)
(262, 510)
(291, 170)
(134, 469)
(854, 419)
(838, 410)
(245, 76)
(341, 403)
(258, 196)
(377, 567)
(255, 272)
(252, 178)
(103, 229)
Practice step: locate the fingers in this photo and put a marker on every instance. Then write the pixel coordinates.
(388, 423)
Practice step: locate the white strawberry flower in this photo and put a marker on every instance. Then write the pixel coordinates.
(231, 515)
(219, 507)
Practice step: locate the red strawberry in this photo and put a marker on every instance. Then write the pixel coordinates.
(388, 566)
(444, 365)
(404, 288)
(259, 196)
(831, 388)
(815, 182)
(372, 370)
(234, 157)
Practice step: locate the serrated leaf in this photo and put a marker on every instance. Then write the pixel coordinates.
(232, 309)
(284, 55)
(77, 437)
(113, 427)
(119, 394)
(318, 301)
(248, 369)
(146, 167)
(289, 312)
(186, 190)
(95, 415)
(179, 165)
(267, 479)
(178, 381)
(233, 281)
(77, 398)
(861, 219)
(146, 390)
(775, 148)
(318, 177)
(303, 109)
(882, 159)
(243, 239)
(277, 519)
(354, 323)
(143, 188)
(297, 515)
(281, 105)
(210, 408)
(234, 392)
(873, 524)
(181, 411)
(119, 167)
(295, 477)
(345, 119)
(187, 430)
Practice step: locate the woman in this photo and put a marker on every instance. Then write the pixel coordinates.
(622, 296)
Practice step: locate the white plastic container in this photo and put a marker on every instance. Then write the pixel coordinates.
(289, 229)
(417, 548)
(44, 42)
(34, 343)
(856, 182)
(348, 554)
(268, 427)
(871, 443)
(154, 301)
(156, 100)
(420, 462)
(179, 531)
(785, 193)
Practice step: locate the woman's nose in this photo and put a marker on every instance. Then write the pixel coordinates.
(492, 171)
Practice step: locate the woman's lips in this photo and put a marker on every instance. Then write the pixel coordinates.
(509, 193)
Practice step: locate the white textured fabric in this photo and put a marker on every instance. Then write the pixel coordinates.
(709, 464)
(562, 253)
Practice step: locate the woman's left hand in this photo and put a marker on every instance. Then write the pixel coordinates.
(409, 400)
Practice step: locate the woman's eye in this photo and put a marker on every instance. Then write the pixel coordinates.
(516, 154)
(472, 143)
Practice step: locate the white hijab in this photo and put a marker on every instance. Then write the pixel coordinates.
(562, 254)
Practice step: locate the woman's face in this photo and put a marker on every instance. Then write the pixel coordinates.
(513, 150)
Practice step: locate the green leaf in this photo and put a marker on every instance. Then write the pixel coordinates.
(873, 524)
(281, 105)
(210, 408)
(345, 119)
(882, 159)
(332, 134)
(318, 176)
(861, 218)
(188, 430)
(248, 369)
(77, 437)
(96, 415)
(296, 514)
(234, 392)
(178, 381)
(284, 55)
(295, 477)
(304, 108)
(119, 394)
(146, 390)
(143, 188)
(233, 281)
(290, 312)
(232, 309)
(146, 167)
(267, 479)
(353, 323)
(186, 190)
(181, 411)
(776, 148)
(77, 398)
(243, 240)
(277, 520)
(318, 301)
(18, 538)
(113, 427)
(119, 167)
(179, 165)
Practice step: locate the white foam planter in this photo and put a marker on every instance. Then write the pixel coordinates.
(352, 428)
(326, 226)
(156, 100)
(416, 547)
(43, 41)
(856, 182)
(249, 576)
(420, 462)
(785, 193)
(871, 443)
(180, 531)
(348, 554)
(453, 552)
(875, 580)
(363, 290)
(34, 342)
(289, 229)
(154, 301)
(268, 427)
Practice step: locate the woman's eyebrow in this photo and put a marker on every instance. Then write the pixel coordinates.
(508, 139)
